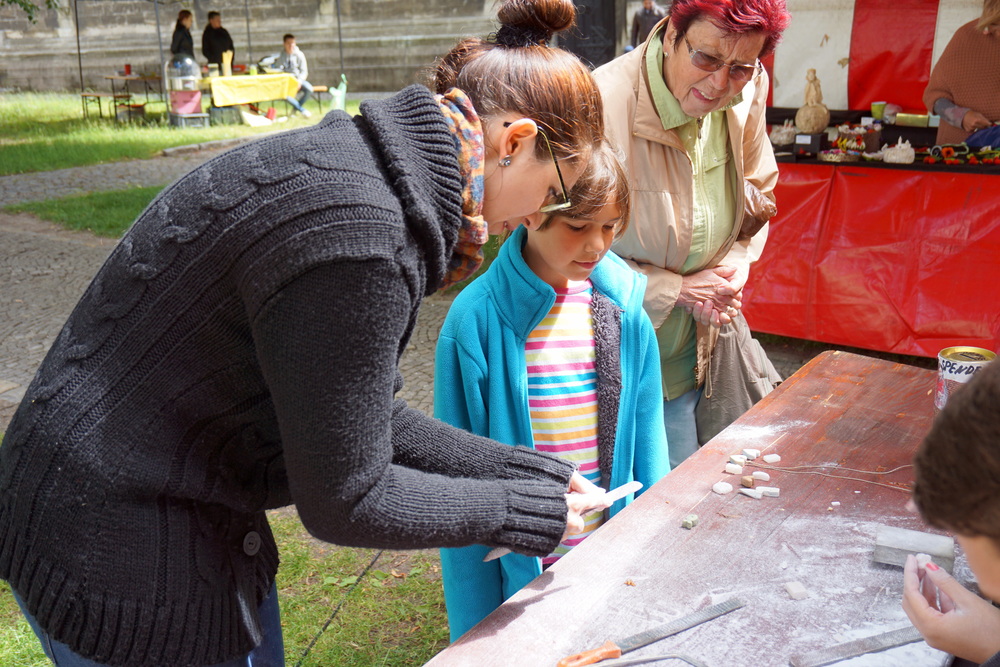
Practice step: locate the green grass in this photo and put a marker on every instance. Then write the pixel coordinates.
(47, 131)
(104, 213)
(394, 616)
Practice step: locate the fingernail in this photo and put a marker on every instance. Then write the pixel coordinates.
(932, 566)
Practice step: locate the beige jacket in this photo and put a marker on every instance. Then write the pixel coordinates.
(658, 239)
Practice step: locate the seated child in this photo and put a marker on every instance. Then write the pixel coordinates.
(551, 348)
(958, 489)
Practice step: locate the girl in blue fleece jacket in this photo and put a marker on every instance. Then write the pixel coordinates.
(551, 348)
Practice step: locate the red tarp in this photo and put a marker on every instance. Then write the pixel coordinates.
(892, 42)
(895, 260)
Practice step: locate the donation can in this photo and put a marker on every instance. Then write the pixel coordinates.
(956, 366)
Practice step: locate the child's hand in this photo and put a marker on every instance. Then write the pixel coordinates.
(950, 617)
(584, 497)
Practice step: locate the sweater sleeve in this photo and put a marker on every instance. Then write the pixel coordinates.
(652, 460)
(761, 170)
(363, 471)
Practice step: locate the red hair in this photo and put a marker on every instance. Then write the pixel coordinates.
(738, 17)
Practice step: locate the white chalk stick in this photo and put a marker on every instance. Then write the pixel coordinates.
(835, 503)
(796, 591)
(751, 454)
(738, 459)
(771, 458)
(769, 491)
(761, 475)
(753, 493)
(722, 488)
(734, 469)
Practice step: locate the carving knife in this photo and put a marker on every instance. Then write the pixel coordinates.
(609, 497)
(611, 649)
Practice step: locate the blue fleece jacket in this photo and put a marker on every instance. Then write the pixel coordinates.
(480, 384)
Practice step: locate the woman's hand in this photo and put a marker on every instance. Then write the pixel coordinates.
(583, 498)
(950, 617)
(713, 296)
(973, 120)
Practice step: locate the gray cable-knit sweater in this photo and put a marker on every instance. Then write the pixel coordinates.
(238, 352)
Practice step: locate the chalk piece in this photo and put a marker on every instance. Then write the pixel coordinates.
(857, 492)
(771, 458)
(796, 591)
(751, 454)
(835, 503)
(738, 459)
(769, 491)
(747, 481)
(722, 488)
(753, 493)
(689, 521)
(761, 475)
(733, 469)
(893, 545)
(922, 560)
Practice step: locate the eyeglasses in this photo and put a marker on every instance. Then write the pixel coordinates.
(707, 63)
(565, 203)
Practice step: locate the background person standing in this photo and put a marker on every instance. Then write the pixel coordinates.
(293, 61)
(215, 39)
(644, 20)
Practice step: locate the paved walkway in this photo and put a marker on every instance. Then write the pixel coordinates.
(45, 268)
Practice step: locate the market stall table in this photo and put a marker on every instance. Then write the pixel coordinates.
(842, 411)
(251, 89)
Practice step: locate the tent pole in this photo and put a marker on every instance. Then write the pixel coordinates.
(340, 37)
(246, 5)
(79, 56)
(159, 40)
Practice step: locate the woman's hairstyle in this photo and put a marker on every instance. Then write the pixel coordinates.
(602, 183)
(181, 15)
(958, 463)
(737, 17)
(991, 14)
(516, 71)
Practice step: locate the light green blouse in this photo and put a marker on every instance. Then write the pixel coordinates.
(706, 141)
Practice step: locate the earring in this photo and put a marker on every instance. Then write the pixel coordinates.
(505, 162)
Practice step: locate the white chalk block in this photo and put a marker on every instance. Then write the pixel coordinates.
(734, 469)
(922, 560)
(738, 459)
(835, 503)
(771, 458)
(753, 493)
(761, 475)
(769, 491)
(722, 488)
(796, 591)
(751, 454)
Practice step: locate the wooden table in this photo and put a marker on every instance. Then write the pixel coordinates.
(642, 569)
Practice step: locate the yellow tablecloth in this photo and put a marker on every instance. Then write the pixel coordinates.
(230, 90)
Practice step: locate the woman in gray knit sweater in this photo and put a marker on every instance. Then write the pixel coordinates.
(238, 352)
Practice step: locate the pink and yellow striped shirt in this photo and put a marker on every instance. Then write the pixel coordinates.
(562, 391)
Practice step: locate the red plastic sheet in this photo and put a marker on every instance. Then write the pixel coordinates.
(894, 260)
(892, 42)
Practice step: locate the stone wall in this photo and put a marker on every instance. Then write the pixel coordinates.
(387, 44)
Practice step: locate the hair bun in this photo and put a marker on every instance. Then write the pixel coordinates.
(533, 22)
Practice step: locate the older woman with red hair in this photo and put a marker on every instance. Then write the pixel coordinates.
(687, 107)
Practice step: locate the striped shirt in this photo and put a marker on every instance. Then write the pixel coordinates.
(562, 391)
